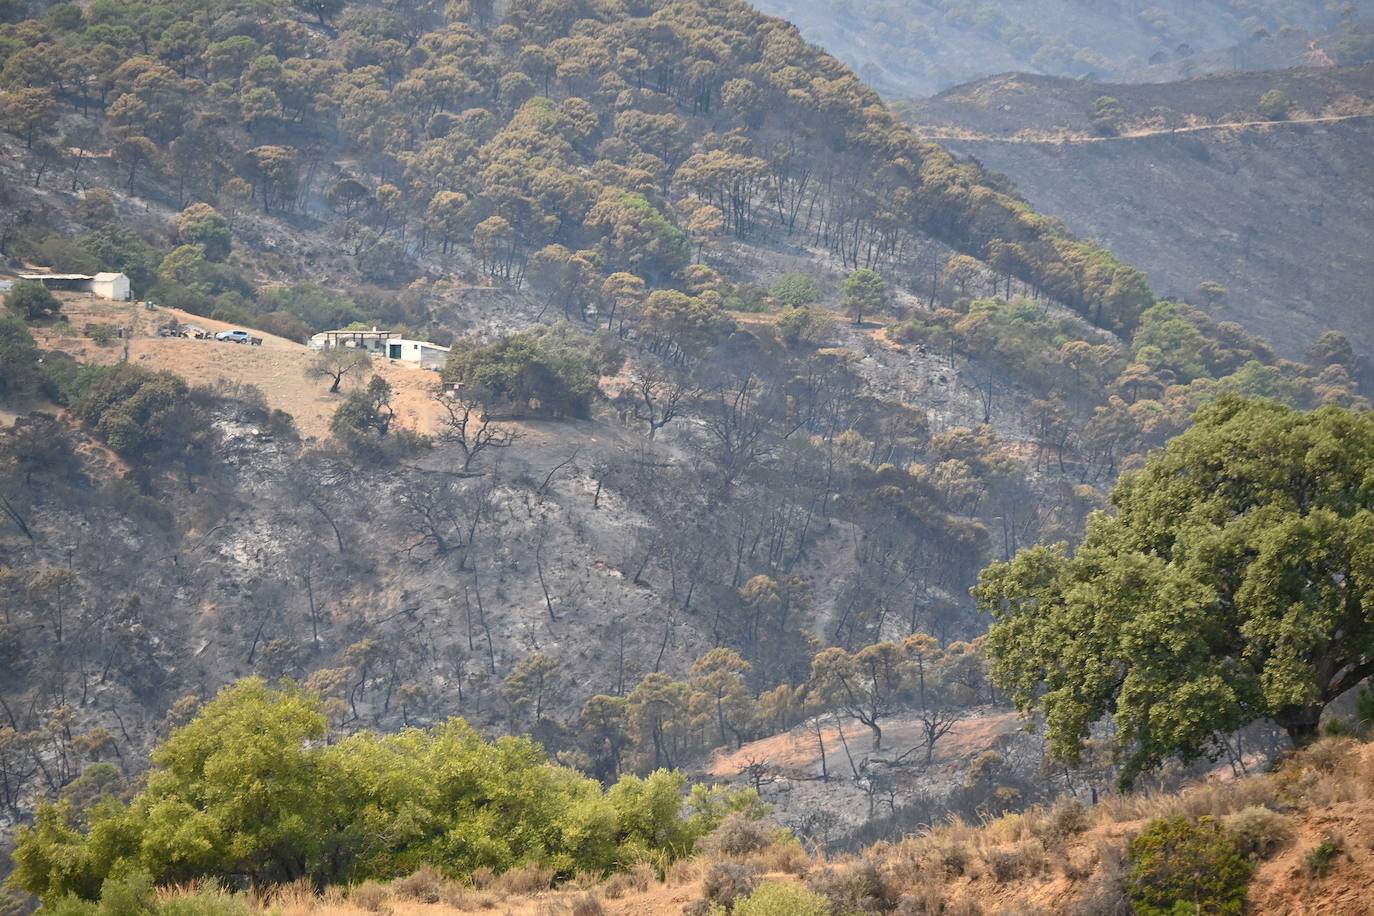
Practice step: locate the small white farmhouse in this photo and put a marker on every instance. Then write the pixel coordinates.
(111, 286)
(428, 355)
(384, 343)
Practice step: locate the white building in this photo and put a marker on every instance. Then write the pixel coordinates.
(428, 355)
(389, 344)
(104, 285)
(373, 341)
(111, 286)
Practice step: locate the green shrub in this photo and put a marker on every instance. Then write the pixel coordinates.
(318, 308)
(1273, 105)
(1364, 707)
(746, 297)
(71, 905)
(200, 224)
(859, 889)
(804, 325)
(124, 250)
(130, 894)
(19, 367)
(795, 290)
(529, 374)
(1337, 728)
(102, 334)
(137, 412)
(1180, 866)
(774, 898)
(1322, 857)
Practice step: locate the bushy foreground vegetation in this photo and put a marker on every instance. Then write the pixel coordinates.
(250, 790)
(1208, 850)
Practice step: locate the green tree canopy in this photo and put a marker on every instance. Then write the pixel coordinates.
(795, 290)
(525, 374)
(200, 224)
(1234, 583)
(248, 789)
(31, 300)
(18, 356)
(864, 292)
(134, 410)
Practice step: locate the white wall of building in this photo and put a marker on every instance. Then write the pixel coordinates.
(111, 286)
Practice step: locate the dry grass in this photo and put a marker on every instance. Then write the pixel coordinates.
(1069, 857)
(1016, 861)
(278, 368)
(686, 871)
(783, 857)
(527, 879)
(577, 905)
(371, 896)
(1259, 832)
(638, 880)
(855, 886)
(737, 836)
(726, 882)
(426, 885)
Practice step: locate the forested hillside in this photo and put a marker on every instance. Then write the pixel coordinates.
(554, 127)
(921, 47)
(747, 385)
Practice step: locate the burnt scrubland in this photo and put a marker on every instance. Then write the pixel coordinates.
(748, 383)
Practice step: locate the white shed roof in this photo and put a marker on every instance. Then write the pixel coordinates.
(107, 277)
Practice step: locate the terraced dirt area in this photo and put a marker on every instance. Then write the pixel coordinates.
(278, 368)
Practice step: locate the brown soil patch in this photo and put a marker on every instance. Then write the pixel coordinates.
(795, 752)
(1283, 885)
(277, 368)
(657, 900)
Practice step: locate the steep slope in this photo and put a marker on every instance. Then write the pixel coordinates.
(1194, 185)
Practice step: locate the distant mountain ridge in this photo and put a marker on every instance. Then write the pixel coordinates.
(1280, 212)
(920, 47)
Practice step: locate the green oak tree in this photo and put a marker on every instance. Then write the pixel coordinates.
(1235, 582)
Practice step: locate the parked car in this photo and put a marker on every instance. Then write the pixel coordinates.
(234, 336)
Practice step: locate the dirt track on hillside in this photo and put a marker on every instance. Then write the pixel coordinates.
(1040, 137)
